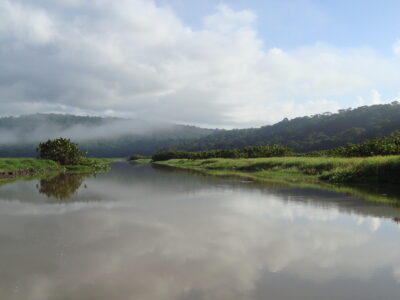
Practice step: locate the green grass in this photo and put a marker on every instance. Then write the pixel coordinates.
(27, 164)
(360, 177)
(33, 166)
(140, 161)
(324, 169)
(378, 193)
(91, 165)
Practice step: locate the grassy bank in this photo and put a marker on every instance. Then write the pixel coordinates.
(91, 165)
(301, 169)
(359, 177)
(21, 167)
(141, 161)
(14, 165)
(377, 193)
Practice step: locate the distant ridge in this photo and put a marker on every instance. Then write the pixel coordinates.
(116, 137)
(101, 136)
(310, 133)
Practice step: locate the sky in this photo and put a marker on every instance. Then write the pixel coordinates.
(226, 64)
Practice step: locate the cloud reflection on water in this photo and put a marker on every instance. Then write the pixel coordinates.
(208, 241)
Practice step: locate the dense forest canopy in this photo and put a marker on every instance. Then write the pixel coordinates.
(310, 133)
(379, 146)
(114, 137)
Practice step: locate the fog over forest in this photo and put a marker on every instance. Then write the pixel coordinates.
(40, 127)
(115, 137)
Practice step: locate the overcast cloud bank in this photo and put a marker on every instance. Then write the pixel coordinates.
(133, 58)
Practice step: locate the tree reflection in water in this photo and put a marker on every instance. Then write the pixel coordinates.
(62, 186)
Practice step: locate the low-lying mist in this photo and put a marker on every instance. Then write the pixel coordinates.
(37, 128)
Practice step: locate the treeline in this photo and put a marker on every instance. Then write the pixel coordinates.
(309, 133)
(389, 145)
(248, 152)
(303, 135)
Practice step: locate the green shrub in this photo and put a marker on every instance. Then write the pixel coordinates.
(248, 152)
(61, 150)
(135, 157)
(380, 146)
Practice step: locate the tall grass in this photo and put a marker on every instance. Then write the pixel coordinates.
(26, 164)
(330, 169)
(33, 165)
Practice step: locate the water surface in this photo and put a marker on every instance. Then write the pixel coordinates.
(146, 233)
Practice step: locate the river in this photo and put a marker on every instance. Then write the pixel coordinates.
(140, 232)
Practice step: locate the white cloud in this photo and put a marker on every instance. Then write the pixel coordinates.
(25, 25)
(396, 48)
(226, 20)
(134, 57)
(374, 98)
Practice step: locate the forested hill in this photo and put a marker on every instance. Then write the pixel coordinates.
(105, 137)
(317, 132)
(114, 137)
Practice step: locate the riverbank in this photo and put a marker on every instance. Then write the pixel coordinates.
(23, 167)
(378, 169)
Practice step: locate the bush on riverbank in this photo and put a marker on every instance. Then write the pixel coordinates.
(136, 157)
(380, 146)
(248, 152)
(62, 151)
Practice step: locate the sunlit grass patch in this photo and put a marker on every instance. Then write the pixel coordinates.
(30, 166)
(26, 164)
(331, 169)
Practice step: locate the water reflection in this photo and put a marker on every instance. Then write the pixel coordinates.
(156, 235)
(62, 186)
(381, 193)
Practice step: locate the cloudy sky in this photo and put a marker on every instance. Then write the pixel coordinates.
(233, 63)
